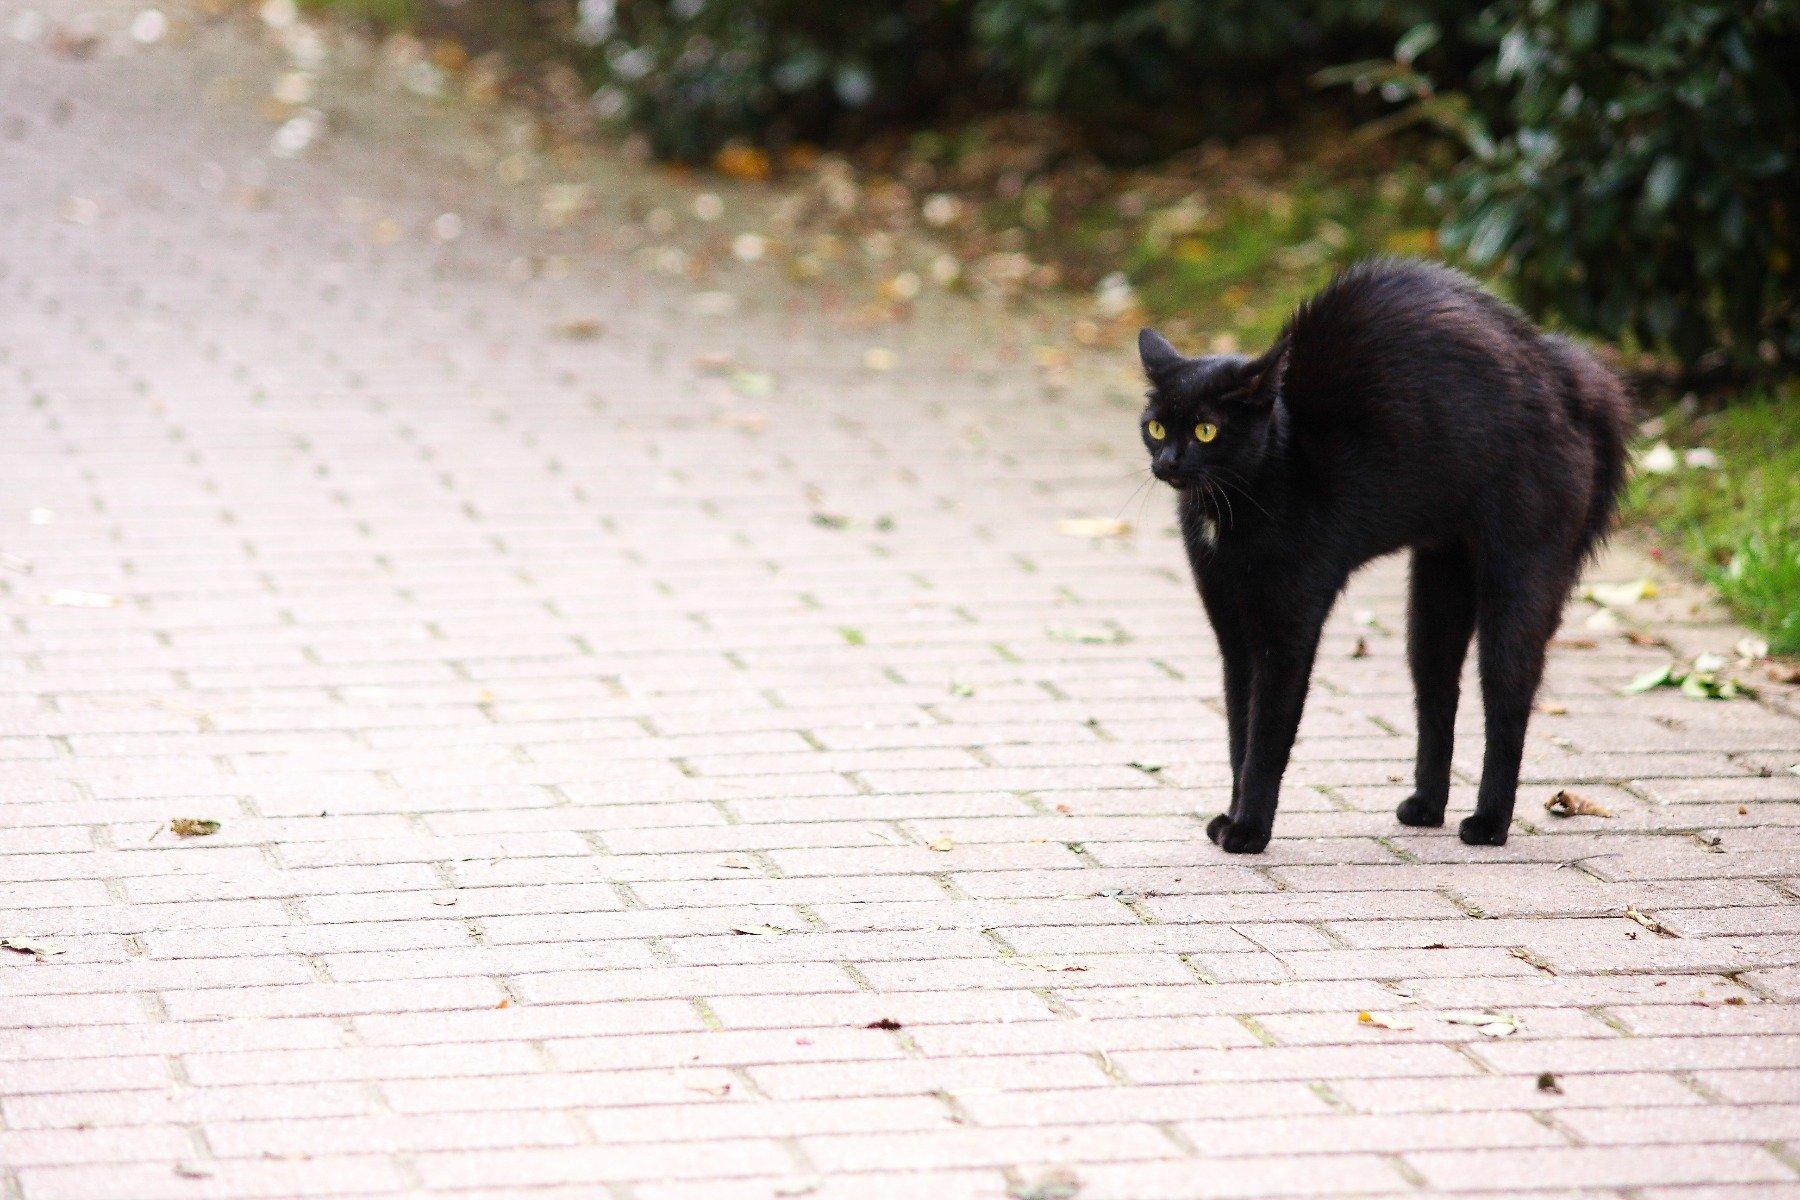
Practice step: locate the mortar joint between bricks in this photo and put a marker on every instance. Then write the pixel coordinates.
(1549, 1121)
(1406, 1171)
(348, 1034)
(153, 1006)
(947, 885)
(1193, 968)
(857, 977)
(1006, 949)
(1172, 1134)
(1400, 852)
(659, 950)
(626, 895)
(1255, 1028)
(1329, 1097)
(856, 781)
(1693, 1083)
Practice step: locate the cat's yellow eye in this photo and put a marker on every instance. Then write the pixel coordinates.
(1156, 431)
(1206, 431)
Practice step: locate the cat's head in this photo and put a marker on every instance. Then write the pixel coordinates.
(1208, 418)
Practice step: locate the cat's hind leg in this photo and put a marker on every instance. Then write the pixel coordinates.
(1440, 619)
(1519, 605)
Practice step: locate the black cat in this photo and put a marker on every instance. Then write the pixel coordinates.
(1402, 406)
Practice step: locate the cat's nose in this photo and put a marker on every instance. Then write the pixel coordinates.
(1165, 462)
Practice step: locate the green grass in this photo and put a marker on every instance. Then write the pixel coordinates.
(1248, 259)
(382, 12)
(1740, 524)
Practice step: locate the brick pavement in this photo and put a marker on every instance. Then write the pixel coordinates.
(522, 679)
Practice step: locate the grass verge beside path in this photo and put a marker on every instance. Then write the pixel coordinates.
(1738, 522)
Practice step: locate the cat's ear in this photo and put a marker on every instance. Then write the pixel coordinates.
(1264, 376)
(1157, 354)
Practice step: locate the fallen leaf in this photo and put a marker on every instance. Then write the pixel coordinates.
(443, 901)
(189, 1171)
(798, 1187)
(1494, 1025)
(962, 690)
(1568, 804)
(1575, 643)
(943, 844)
(711, 1089)
(193, 827)
(72, 598)
(1751, 649)
(1148, 768)
(581, 329)
(760, 930)
(852, 636)
(1663, 676)
(1659, 459)
(1638, 637)
(1621, 595)
(1361, 649)
(1378, 1020)
(38, 950)
(830, 520)
(1650, 923)
(1093, 527)
(1546, 1082)
(732, 862)
(1785, 672)
(884, 1023)
(505, 1002)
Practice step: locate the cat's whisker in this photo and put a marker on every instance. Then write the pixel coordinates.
(1139, 491)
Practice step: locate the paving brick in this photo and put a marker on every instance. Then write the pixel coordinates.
(510, 715)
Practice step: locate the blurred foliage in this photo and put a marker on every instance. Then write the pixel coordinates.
(1628, 168)
(1740, 522)
(1633, 167)
(694, 75)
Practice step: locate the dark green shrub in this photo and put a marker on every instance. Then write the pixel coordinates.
(694, 74)
(1635, 169)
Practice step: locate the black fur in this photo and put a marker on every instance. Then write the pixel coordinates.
(1401, 407)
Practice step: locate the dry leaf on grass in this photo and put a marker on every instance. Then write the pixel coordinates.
(1569, 804)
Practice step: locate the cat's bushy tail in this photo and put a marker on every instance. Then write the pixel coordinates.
(1602, 407)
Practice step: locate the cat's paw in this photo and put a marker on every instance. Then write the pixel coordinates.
(1234, 838)
(1484, 831)
(1416, 810)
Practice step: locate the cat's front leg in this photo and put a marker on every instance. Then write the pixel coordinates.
(1281, 673)
(1229, 627)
